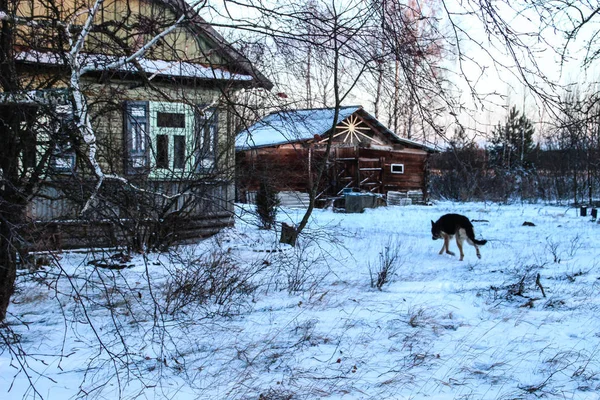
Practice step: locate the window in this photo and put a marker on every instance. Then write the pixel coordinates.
(47, 135)
(63, 125)
(179, 151)
(162, 151)
(136, 127)
(397, 168)
(162, 138)
(171, 133)
(170, 120)
(206, 137)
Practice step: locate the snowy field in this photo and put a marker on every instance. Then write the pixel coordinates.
(239, 316)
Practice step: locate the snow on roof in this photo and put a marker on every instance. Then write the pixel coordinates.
(396, 137)
(290, 126)
(99, 62)
(299, 125)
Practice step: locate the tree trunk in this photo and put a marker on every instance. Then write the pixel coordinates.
(12, 202)
(289, 234)
(8, 265)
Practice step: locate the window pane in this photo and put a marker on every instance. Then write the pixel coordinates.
(162, 151)
(138, 138)
(29, 150)
(170, 120)
(209, 134)
(63, 156)
(179, 151)
(138, 112)
(137, 131)
(206, 131)
(397, 168)
(64, 162)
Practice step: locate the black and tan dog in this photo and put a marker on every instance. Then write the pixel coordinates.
(455, 225)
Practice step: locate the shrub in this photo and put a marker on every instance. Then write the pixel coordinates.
(388, 262)
(266, 204)
(213, 282)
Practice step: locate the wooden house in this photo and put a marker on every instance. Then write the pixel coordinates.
(285, 147)
(161, 119)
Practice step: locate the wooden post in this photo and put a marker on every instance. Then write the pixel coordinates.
(358, 177)
(310, 157)
(382, 174)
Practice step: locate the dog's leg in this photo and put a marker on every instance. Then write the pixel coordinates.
(446, 245)
(443, 245)
(459, 243)
(476, 247)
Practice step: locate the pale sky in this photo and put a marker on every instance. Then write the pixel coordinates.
(492, 69)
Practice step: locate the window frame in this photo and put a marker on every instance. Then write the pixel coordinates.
(206, 127)
(196, 153)
(136, 156)
(396, 165)
(63, 157)
(187, 131)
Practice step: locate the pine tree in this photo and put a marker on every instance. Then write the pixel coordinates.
(512, 142)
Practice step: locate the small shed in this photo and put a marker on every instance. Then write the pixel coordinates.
(285, 147)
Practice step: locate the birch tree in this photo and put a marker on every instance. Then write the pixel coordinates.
(47, 56)
(50, 101)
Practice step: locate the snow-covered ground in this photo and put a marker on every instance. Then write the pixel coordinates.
(239, 316)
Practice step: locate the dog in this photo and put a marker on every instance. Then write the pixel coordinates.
(455, 225)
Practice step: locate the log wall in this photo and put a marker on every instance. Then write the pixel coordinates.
(358, 168)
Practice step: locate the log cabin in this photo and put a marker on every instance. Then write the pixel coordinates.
(286, 146)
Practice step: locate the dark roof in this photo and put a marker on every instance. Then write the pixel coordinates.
(386, 131)
(294, 126)
(100, 62)
(290, 126)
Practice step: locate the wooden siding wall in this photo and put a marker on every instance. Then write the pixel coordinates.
(52, 205)
(107, 105)
(133, 22)
(59, 235)
(56, 223)
(288, 169)
(414, 162)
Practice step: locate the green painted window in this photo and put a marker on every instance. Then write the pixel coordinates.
(179, 152)
(167, 139)
(162, 151)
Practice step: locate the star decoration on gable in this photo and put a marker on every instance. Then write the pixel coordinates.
(353, 129)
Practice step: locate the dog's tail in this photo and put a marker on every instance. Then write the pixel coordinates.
(471, 235)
